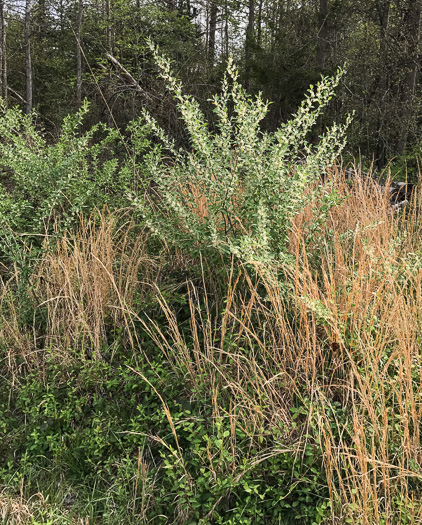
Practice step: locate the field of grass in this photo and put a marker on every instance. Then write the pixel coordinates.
(139, 384)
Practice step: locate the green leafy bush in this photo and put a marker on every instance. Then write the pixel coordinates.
(238, 188)
(44, 188)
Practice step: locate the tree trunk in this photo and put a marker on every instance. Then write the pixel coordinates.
(383, 8)
(79, 54)
(226, 29)
(412, 32)
(259, 31)
(28, 63)
(322, 36)
(249, 40)
(212, 30)
(3, 58)
(108, 26)
(42, 19)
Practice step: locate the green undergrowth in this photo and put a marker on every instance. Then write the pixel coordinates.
(129, 440)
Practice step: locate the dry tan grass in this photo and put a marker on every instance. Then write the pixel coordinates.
(359, 342)
(18, 344)
(17, 511)
(89, 280)
(14, 511)
(350, 333)
(83, 287)
(347, 332)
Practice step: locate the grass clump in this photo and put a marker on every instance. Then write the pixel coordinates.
(257, 410)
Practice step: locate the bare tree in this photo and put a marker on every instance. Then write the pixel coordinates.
(383, 8)
(250, 31)
(79, 53)
(108, 25)
(213, 7)
(322, 36)
(28, 61)
(412, 65)
(226, 29)
(259, 23)
(3, 57)
(42, 19)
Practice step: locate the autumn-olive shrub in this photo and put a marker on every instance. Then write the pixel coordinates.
(237, 188)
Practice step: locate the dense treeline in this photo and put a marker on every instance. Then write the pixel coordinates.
(55, 53)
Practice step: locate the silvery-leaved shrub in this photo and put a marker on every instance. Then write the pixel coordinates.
(237, 188)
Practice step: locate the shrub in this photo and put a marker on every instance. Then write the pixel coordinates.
(44, 188)
(238, 188)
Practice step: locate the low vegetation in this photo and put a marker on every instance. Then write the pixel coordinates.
(206, 336)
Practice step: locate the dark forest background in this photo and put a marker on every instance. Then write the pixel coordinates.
(54, 53)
